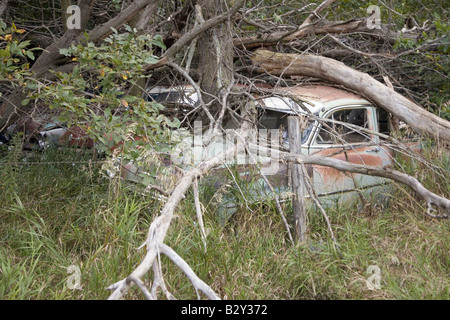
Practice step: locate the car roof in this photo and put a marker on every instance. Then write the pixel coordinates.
(322, 97)
(317, 98)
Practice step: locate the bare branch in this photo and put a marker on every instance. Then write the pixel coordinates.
(195, 280)
(123, 17)
(141, 286)
(428, 196)
(160, 225)
(199, 211)
(208, 24)
(318, 10)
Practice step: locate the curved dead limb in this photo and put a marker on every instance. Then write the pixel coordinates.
(158, 229)
(419, 119)
(431, 198)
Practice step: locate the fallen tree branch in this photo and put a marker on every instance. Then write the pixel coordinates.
(419, 119)
(429, 197)
(158, 228)
(316, 28)
(198, 283)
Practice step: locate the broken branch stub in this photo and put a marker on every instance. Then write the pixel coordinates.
(298, 184)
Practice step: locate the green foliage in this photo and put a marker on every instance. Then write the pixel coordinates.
(67, 214)
(14, 55)
(96, 94)
(8, 173)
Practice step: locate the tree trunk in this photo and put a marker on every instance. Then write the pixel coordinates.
(419, 119)
(298, 183)
(216, 52)
(3, 7)
(64, 5)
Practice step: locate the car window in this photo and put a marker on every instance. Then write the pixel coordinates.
(383, 122)
(337, 133)
(269, 119)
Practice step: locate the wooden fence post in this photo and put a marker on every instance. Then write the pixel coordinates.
(298, 185)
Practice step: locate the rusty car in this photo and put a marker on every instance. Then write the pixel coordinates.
(338, 124)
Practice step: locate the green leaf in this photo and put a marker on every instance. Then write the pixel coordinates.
(65, 51)
(159, 41)
(30, 55)
(108, 112)
(151, 60)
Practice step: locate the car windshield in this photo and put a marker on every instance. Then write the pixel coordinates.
(273, 111)
(270, 119)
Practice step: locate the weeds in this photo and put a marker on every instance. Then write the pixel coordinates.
(57, 210)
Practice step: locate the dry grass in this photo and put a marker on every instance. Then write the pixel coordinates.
(98, 224)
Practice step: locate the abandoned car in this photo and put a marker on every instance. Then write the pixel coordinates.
(336, 124)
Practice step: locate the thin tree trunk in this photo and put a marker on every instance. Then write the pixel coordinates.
(3, 7)
(64, 5)
(298, 183)
(216, 48)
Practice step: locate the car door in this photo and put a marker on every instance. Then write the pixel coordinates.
(338, 137)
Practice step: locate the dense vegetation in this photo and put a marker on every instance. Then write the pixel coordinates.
(57, 210)
(62, 206)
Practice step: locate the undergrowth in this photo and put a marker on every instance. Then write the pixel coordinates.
(57, 209)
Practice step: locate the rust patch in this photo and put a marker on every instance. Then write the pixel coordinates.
(76, 137)
(329, 175)
(357, 156)
(323, 94)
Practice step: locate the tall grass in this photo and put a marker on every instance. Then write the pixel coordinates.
(58, 210)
